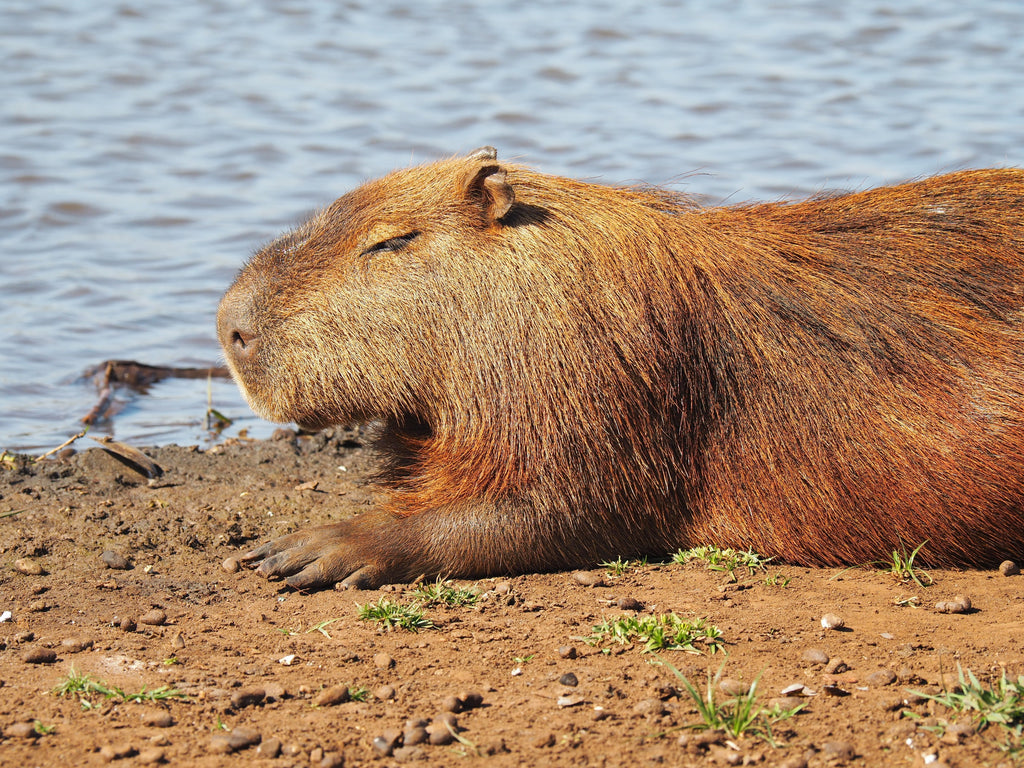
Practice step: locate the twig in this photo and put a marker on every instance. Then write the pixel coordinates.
(63, 445)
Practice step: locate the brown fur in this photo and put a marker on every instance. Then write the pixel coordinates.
(591, 371)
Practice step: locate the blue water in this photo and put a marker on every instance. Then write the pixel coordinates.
(146, 149)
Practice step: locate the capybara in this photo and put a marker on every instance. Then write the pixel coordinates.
(566, 372)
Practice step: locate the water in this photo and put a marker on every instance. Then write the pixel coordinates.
(147, 148)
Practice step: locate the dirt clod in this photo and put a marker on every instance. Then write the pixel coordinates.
(115, 560)
(881, 677)
(329, 697)
(40, 656)
(269, 748)
(588, 578)
(154, 618)
(28, 566)
(248, 697)
(22, 730)
(815, 656)
(238, 739)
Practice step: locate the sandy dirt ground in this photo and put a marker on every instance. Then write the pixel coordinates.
(108, 575)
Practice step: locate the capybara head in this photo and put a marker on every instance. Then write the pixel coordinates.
(567, 371)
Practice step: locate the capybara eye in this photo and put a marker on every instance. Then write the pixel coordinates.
(392, 243)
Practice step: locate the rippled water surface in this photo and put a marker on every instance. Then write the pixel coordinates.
(146, 148)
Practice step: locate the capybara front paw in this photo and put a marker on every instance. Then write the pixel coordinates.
(316, 559)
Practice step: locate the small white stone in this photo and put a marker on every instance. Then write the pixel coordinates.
(831, 621)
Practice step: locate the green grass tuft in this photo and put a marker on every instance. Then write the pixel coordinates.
(667, 632)
(392, 615)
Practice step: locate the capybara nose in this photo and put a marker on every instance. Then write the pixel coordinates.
(235, 330)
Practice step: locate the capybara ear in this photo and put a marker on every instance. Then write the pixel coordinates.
(487, 185)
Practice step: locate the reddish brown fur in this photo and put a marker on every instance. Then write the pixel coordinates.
(597, 371)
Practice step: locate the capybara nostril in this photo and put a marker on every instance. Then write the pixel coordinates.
(242, 341)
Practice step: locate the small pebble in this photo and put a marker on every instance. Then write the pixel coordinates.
(438, 734)
(153, 618)
(471, 699)
(25, 637)
(629, 604)
(275, 692)
(447, 717)
(731, 687)
(21, 731)
(248, 697)
(150, 756)
(1009, 568)
(385, 693)
(412, 736)
(336, 694)
(28, 567)
(115, 560)
(567, 652)
(838, 751)
(836, 666)
(239, 738)
(405, 754)
(650, 708)
(157, 718)
(796, 761)
(316, 754)
(335, 760)
(127, 624)
(832, 621)
(75, 644)
(230, 564)
(111, 752)
(881, 677)
(569, 701)
(569, 679)
(40, 656)
(39, 606)
(543, 741)
(588, 578)
(382, 747)
(957, 733)
(815, 656)
(503, 587)
(269, 748)
(451, 704)
(959, 604)
(383, 661)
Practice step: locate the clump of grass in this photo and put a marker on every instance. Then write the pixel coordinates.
(392, 615)
(725, 560)
(778, 580)
(360, 693)
(666, 632)
(737, 715)
(445, 593)
(618, 566)
(902, 567)
(1002, 705)
(85, 688)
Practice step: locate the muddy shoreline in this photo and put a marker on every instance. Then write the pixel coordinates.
(350, 687)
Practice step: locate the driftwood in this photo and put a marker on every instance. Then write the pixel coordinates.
(137, 377)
